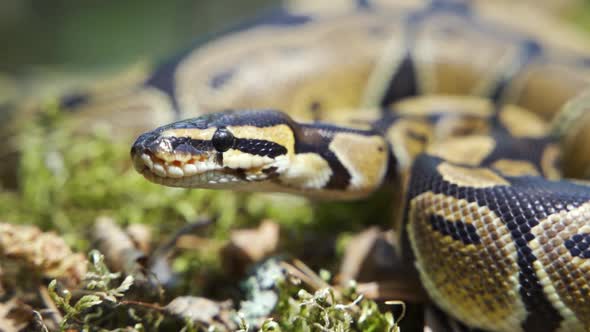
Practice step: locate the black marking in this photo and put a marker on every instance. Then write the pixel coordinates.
(163, 79)
(188, 145)
(340, 178)
(219, 158)
(579, 245)
(316, 139)
(458, 230)
(404, 82)
(239, 172)
(526, 149)
(260, 147)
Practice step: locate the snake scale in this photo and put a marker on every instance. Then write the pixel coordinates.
(463, 106)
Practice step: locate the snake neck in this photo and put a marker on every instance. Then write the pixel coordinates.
(338, 162)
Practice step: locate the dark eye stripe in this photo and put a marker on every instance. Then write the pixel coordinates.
(260, 147)
(252, 146)
(191, 145)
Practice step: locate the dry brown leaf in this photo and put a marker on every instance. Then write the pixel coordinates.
(44, 252)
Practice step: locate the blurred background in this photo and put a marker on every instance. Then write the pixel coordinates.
(51, 46)
(89, 34)
(81, 35)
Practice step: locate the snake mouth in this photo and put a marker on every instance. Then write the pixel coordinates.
(194, 172)
(147, 162)
(201, 170)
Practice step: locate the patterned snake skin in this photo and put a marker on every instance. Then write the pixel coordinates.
(463, 105)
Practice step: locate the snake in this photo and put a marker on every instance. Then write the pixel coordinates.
(474, 111)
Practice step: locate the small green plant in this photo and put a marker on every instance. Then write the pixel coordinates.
(272, 292)
(100, 283)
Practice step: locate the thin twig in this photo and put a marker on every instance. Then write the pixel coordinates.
(143, 305)
(52, 308)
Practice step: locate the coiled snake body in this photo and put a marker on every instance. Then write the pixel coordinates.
(451, 108)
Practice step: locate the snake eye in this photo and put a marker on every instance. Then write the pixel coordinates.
(222, 140)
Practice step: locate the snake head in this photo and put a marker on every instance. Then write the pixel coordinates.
(221, 150)
(263, 151)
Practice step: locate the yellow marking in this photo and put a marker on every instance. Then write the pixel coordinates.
(307, 171)
(522, 123)
(364, 157)
(564, 277)
(550, 162)
(427, 105)
(477, 282)
(510, 167)
(200, 134)
(469, 150)
(280, 134)
(470, 177)
(329, 93)
(237, 159)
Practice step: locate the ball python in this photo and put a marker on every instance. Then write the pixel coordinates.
(449, 101)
